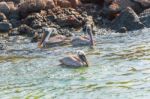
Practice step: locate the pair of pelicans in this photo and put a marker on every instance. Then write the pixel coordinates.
(78, 60)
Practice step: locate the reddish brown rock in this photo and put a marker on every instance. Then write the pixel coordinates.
(75, 3)
(129, 19)
(112, 10)
(99, 2)
(64, 3)
(30, 6)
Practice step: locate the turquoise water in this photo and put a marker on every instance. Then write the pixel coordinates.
(119, 69)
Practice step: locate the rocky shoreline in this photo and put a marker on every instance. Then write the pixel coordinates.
(29, 17)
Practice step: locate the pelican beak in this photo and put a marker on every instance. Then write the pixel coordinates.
(84, 59)
(42, 40)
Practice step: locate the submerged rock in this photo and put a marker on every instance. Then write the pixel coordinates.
(145, 17)
(143, 3)
(5, 26)
(129, 19)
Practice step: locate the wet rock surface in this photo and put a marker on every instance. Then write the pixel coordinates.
(145, 17)
(5, 26)
(129, 19)
(28, 17)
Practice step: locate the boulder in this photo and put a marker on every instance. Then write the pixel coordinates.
(4, 8)
(127, 18)
(2, 17)
(145, 17)
(129, 3)
(30, 6)
(99, 2)
(14, 14)
(15, 23)
(64, 3)
(143, 3)
(34, 20)
(5, 26)
(111, 11)
(26, 30)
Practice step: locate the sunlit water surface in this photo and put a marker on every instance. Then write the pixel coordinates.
(119, 69)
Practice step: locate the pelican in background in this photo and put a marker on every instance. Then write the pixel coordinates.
(84, 40)
(75, 61)
(48, 41)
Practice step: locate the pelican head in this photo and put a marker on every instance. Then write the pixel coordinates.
(82, 57)
(89, 32)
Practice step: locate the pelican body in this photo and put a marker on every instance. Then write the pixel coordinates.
(84, 40)
(75, 61)
(48, 41)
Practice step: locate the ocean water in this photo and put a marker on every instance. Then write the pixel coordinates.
(119, 69)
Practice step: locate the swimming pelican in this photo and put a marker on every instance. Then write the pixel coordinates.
(84, 40)
(48, 41)
(75, 61)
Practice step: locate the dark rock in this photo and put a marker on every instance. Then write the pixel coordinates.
(122, 30)
(4, 8)
(14, 15)
(129, 19)
(26, 30)
(36, 24)
(2, 17)
(111, 11)
(145, 17)
(15, 23)
(51, 18)
(5, 26)
(65, 32)
(129, 3)
(143, 3)
(34, 20)
(100, 2)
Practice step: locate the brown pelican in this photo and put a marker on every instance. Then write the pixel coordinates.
(75, 61)
(84, 40)
(48, 41)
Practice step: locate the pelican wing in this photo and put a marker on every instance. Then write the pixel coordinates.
(80, 41)
(71, 61)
